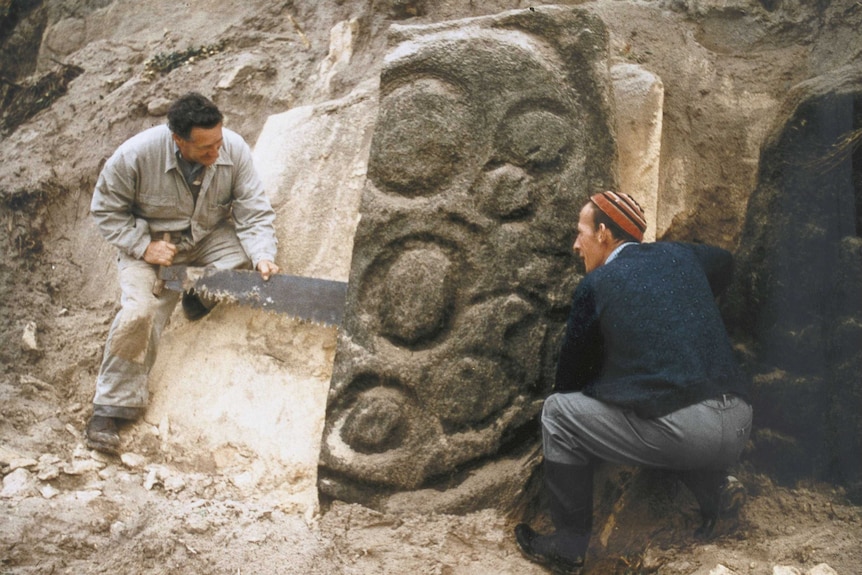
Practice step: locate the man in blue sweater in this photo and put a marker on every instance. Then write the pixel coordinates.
(646, 376)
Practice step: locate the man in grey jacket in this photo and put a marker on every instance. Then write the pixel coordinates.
(182, 193)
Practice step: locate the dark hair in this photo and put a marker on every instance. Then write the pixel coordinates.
(599, 217)
(192, 111)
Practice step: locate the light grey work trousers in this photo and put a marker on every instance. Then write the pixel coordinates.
(130, 352)
(707, 435)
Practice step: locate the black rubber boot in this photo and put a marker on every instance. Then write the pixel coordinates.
(570, 502)
(102, 435)
(716, 493)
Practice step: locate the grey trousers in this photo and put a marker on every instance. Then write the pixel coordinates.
(130, 352)
(707, 435)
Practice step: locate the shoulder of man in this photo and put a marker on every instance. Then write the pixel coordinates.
(155, 135)
(141, 145)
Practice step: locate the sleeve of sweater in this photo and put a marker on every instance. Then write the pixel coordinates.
(581, 353)
(717, 264)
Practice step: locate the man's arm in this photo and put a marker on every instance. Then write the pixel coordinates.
(581, 353)
(111, 208)
(717, 264)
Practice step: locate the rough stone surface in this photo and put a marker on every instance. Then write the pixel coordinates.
(491, 134)
(639, 106)
(798, 290)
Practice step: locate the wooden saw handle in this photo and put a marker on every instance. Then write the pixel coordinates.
(159, 285)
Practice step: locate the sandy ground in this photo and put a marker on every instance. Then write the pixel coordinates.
(175, 505)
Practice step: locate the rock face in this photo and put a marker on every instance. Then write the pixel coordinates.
(491, 134)
(798, 291)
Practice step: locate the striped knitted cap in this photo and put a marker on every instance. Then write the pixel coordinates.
(624, 211)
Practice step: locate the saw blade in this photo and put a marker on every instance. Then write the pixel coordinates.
(311, 299)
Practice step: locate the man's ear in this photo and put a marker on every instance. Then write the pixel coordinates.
(601, 232)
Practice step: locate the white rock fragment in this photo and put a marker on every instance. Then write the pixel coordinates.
(118, 528)
(16, 483)
(28, 338)
(244, 480)
(197, 523)
(721, 570)
(158, 107)
(48, 491)
(48, 459)
(785, 570)
(174, 483)
(80, 467)
(133, 460)
(81, 452)
(822, 569)
(151, 480)
(86, 496)
(245, 67)
(22, 462)
(161, 475)
(48, 472)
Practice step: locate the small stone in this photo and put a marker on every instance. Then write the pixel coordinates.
(151, 480)
(22, 462)
(48, 472)
(86, 496)
(197, 523)
(118, 528)
(133, 460)
(16, 483)
(158, 107)
(28, 338)
(785, 570)
(48, 491)
(80, 467)
(174, 483)
(822, 569)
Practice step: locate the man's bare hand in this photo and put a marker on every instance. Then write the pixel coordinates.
(160, 252)
(266, 269)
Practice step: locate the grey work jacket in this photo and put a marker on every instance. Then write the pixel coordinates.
(141, 192)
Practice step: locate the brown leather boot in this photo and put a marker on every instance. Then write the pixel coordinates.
(102, 435)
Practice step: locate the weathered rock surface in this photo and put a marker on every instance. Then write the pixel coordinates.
(491, 134)
(798, 289)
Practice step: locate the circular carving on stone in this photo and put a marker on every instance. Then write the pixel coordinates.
(469, 389)
(537, 139)
(423, 133)
(414, 295)
(376, 421)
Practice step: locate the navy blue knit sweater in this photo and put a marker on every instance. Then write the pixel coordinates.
(645, 333)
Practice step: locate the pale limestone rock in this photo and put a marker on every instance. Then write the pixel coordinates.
(244, 67)
(341, 38)
(48, 491)
(16, 484)
(158, 106)
(639, 100)
(29, 340)
(133, 460)
(22, 462)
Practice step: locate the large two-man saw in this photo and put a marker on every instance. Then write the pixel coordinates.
(311, 299)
